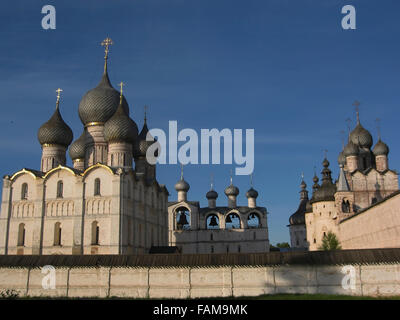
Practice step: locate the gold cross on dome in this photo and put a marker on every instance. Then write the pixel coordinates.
(59, 94)
(106, 43)
(121, 84)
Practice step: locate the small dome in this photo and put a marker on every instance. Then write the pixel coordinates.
(182, 185)
(99, 104)
(55, 131)
(77, 148)
(251, 193)
(315, 179)
(360, 136)
(341, 158)
(231, 190)
(380, 149)
(120, 127)
(212, 194)
(142, 144)
(350, 149)
(299, 216)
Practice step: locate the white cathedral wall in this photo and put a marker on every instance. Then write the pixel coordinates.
(73, 210)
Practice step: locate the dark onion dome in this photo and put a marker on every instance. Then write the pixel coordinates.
(308, 207)
(380, 148)
(252, 193)
(120, 127)
(182, 185)
(141, 145)
(360, 136)
(231, 190)
(77, 148)
(99, 104)
(298, 217)
(350, 149)
(212, 194)
(55, 131)
(341, 158)
(327, 190)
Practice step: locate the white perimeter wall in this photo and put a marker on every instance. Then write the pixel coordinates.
(376, 280)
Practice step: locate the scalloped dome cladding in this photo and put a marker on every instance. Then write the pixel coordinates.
(360, 136)
(212, 194)
(55, 131)
(77, 148)
(380, 149)
(182, 185)
(350, 149)
(231, 190)
(120, 128)
(251, 193)
(99, 104)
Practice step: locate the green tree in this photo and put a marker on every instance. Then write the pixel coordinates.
(330, 242)
(283, 245)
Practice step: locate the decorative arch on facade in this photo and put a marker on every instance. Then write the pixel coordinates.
(60, 167)
(97, 165)
(23, 171)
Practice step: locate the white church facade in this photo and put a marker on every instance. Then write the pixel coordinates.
(101, 205)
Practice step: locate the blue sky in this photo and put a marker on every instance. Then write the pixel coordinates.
(285, 68)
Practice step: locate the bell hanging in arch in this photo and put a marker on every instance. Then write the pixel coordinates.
(213, 221)
(182, 219)
(228, 219)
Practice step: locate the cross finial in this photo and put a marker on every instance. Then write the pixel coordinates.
(121, 85)
(58, 96)
(315, 170)
(378, 127)
(212, 181)
(325, 152)
(357, 104)
(231, 177)
(302, 176)
(106, 43)
(251, 180)
(59, 90)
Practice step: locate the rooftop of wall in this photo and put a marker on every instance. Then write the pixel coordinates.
(394, 194)
(340, 257)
